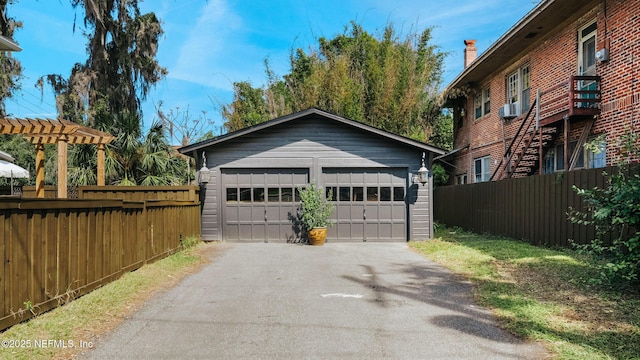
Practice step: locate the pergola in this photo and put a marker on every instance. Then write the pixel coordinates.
(62, 133)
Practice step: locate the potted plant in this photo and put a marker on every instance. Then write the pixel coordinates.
(315, 211)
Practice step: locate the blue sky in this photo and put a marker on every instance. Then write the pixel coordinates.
(209, 44)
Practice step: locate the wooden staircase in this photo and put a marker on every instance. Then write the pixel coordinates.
(526, 160)
(527, 147)
(566, 101)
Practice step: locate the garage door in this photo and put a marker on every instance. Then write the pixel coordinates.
(258, 204)
(370, 204)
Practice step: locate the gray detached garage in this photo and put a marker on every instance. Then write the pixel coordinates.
(253, 175)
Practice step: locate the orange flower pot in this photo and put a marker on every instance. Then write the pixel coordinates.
(317, 236)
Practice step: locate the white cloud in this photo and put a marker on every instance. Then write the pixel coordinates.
(220, 45)
(206, 46)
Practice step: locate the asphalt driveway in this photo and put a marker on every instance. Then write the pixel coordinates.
(338, 301)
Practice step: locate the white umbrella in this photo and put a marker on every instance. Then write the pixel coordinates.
(5, 156)
(10, 170)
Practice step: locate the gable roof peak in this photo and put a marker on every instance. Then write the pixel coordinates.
(189, 149)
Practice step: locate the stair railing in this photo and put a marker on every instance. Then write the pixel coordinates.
(508, 155)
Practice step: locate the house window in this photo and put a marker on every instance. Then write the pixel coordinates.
(587, 49)
(482, 169)
(580, 161)
(587, 60)
(548, 164)
(596, 157)
(526, 89)
(477, 105)
(486, 99)
(482, 103)
(513, 83)
(558, 161)
(519, 88)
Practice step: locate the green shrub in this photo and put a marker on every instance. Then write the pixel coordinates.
(615, 213)
(440, 176)
(315, 210)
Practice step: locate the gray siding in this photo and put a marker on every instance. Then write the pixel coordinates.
(315, 144)
(210, 219)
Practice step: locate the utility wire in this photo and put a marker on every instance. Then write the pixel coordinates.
(35, 109)
(37, 97)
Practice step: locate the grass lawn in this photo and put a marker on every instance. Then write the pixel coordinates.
(67, 330)
(542, 294)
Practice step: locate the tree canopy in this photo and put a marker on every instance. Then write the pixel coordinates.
(248, 108)
(389, 82)
(10, 67)
(121, 66)
(105, 93)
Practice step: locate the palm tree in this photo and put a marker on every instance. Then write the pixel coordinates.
(156, 165)
(123, 153)
(82, 170)
(132, 159)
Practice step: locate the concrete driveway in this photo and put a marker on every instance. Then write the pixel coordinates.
(339, 301)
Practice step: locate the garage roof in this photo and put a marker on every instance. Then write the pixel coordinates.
(312, 112)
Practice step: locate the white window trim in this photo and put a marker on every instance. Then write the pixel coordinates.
(480, 101)
(486, 98)
(581, 40)
(485, 169)
(477, 103)
(513, 78)
(517, 77)
(587, 154)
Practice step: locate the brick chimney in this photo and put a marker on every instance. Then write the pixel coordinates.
(470, 52)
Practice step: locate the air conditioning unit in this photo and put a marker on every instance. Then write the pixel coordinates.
(510, 111)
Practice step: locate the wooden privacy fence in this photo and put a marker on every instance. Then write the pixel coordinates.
(140, 193)
(533, 208)
(54, 250)
(130, 193)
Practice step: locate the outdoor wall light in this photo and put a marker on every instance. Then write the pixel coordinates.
(204, 174)
(423, 174)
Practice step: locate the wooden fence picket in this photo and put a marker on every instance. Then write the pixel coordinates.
(53, 249)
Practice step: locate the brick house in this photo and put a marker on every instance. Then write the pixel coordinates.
(565, 74)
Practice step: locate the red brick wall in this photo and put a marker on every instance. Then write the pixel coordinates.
(620, 82)
(552, 61)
